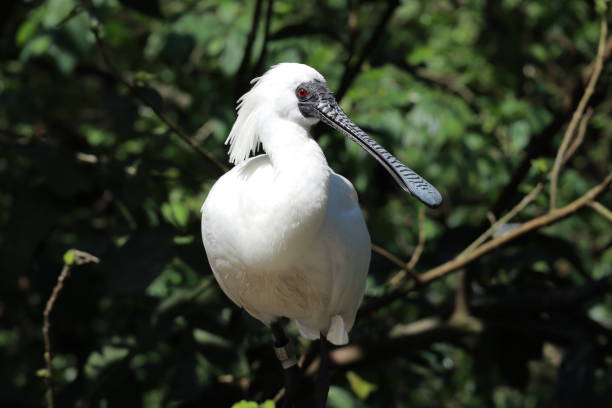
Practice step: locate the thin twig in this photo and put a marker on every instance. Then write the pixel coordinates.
(459, 262)
(266, 38)
(491, 217)
(398, 262)
(242, 73)
(571, 128)
(73, 257)
(602, 210)
(589, 69)
(461, 308)
(352, 70)
(279, 395)
(416, 255)
(139, 95)
(538, 222)
(408, 267)
(388, 255)
(503, 220)
(580, 137)
(461, 317)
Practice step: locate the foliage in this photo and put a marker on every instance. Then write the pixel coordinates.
(474, 94)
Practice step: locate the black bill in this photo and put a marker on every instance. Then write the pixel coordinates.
(330, 113)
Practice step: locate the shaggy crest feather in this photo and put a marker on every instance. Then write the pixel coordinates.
(244, 138)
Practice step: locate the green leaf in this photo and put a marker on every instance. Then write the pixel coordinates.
(206, 338)
(341, 398)
(56, 11)
(541, 165)
(360, 387)
(69, 257)
(253, 404)
(43, 372)
(35, 47)
(601, 6)
(144, 77)
(28, 29)
(245, 404)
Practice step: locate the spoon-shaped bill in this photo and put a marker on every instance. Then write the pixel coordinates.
(330, 113)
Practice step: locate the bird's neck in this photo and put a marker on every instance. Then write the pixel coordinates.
(300, 185)
(293, 153)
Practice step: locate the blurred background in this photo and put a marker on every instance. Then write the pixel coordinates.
(473, 94)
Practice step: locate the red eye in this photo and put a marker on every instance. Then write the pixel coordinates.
(301, 93)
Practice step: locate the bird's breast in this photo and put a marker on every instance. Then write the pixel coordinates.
(266, 219)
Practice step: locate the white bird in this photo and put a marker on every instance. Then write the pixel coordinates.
(283, 232)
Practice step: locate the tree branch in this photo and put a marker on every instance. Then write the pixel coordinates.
(416, 255)
(241, 74)
(538, 222)
(264, 46)
(602, 210)
(579, 138)
(571, 128)
(408, 268)
(351, 71)
(503, 220)
(461, 261)
(139, 95)
(73, 257)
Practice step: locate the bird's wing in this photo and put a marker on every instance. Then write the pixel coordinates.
(345, 187)
(343, 251)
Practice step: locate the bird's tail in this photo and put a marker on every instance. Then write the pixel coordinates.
(337, 333)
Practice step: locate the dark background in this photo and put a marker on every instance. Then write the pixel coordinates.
(473, 94)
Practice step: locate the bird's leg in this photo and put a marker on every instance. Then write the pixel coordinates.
(322, 386)
(286, 355)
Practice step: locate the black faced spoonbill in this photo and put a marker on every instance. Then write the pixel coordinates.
(283, 232)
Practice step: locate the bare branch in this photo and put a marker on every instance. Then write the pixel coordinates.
(388, 255)
(248, 48)
(503, 220)
(394, 259)
(571, 128)
(408, 268)
(602, 210)
(73, 257)
(352, 70)
(551, 217)
(138, 95)
(580, 137)
(589, 69)
(416, 255)
(461, 316)
(461, 261)
(266, 38)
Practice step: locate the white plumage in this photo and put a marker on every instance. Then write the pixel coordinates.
(283, 232)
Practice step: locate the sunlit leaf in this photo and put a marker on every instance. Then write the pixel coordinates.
(360, 387)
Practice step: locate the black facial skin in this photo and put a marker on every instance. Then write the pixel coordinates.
(320, 103)
(317, 91)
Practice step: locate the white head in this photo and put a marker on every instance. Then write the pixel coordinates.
(298, 93)
(272, 94)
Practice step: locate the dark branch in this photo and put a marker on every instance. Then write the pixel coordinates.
(243, 73)
(259, 66)
(352, 70)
